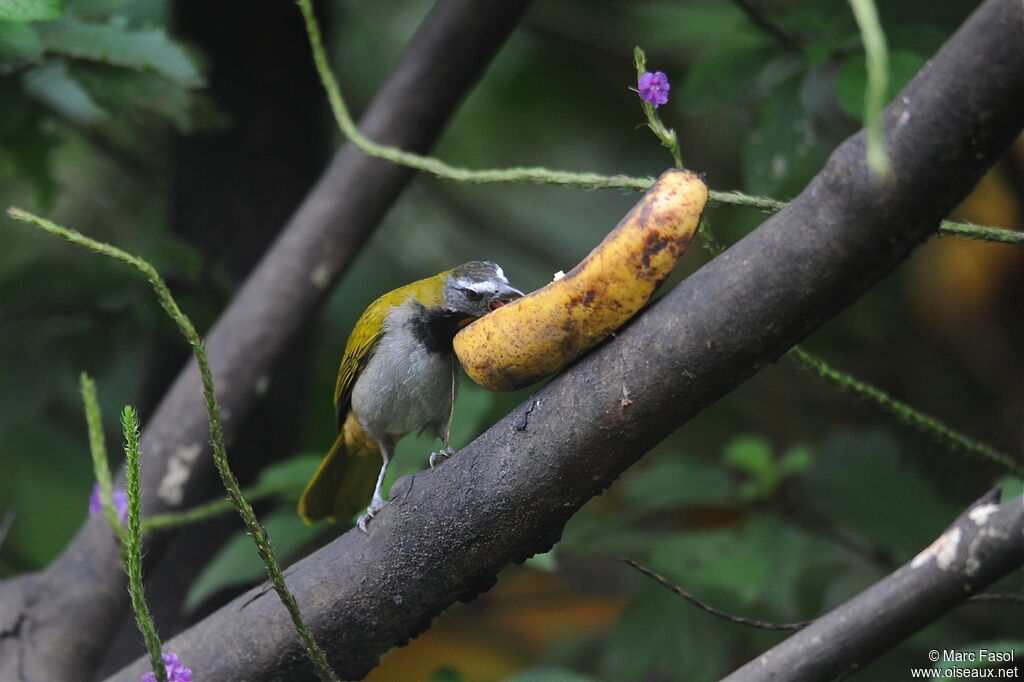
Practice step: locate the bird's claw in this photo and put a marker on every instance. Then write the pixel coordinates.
(440, 456)
(363, 520)
(375, 506)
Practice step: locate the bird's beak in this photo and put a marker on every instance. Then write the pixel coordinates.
(507, 294)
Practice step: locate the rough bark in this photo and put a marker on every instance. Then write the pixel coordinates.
(446, 534)
(54, 625)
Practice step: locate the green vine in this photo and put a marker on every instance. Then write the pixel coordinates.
(904, 412)
(545, 176)
(877, 63)
(98, 449)
(256, 530)
(132, 549)
(215, 508)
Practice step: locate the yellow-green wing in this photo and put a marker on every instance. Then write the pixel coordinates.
(368, 330)
(358, 351)
(361, 344)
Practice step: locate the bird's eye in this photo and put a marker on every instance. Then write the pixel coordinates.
(473, 295)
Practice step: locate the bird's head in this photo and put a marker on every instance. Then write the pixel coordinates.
(476, 288)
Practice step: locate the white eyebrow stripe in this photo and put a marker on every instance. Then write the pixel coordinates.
(479, 287)
(499, 272)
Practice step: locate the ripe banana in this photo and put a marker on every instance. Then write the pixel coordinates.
(541, 333)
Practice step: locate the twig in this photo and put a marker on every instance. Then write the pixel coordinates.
(904, 412)
(739, 620)
(991, 597)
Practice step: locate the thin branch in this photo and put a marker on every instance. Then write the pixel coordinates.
(739, 620)
(982, 545)
(989, 597)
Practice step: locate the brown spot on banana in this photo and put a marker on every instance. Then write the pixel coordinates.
(546, 330)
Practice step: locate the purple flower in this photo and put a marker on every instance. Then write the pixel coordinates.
(653, 88)
(176, 672)
(120, 502)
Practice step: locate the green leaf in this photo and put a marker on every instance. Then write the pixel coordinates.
(784, 148)
(751, 455)
(53, 86)
(1012, 487)
(292, 471)
(145, 50)
(737, 563)
(852, 79)
(721, 76)
(26, 142)
(19, 43)
(859, 481)
(651, 640)
(546, 562)
(30, 10)
(676, 481)
(136, 95)
(796, 460)
(237, 564)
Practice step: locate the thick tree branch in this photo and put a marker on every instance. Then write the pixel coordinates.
(55, 624)
(985, 543)
(445, 534)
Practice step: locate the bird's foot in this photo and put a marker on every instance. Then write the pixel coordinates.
(375, 506)
(440, 456)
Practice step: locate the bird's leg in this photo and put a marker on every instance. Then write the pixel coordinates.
(442, 454)
(387, 448)
(444, 431)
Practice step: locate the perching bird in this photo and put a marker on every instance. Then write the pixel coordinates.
(398, 375)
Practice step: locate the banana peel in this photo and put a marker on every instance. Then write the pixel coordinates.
(546, 330)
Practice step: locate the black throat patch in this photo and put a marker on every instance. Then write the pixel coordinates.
(435, 328)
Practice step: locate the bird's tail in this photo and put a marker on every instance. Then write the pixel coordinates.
(343, 483)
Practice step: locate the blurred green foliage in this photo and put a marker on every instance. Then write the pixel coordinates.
(779, 502)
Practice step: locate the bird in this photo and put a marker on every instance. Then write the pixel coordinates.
(398, 374)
